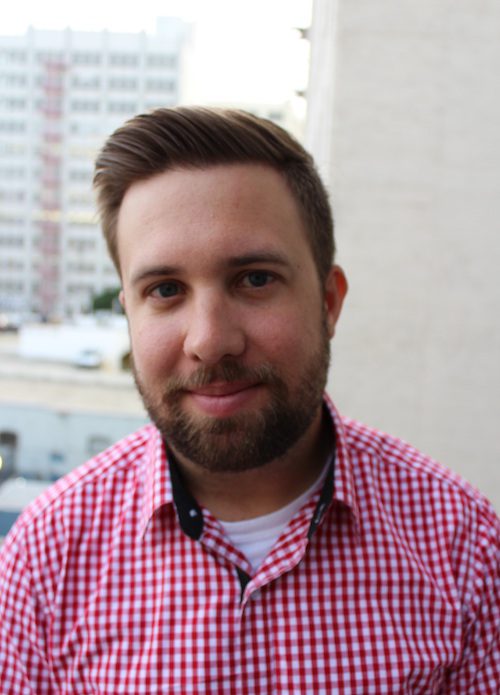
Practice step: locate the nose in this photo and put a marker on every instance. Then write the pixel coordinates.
(214, 331)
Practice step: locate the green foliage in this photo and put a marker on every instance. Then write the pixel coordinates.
(107, 301)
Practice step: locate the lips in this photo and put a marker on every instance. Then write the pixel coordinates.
(222, 399)
(224, 388)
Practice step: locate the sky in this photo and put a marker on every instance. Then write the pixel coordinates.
(139, 16)
(245, 49)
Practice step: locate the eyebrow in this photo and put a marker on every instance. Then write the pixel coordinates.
(158, 271)
(232, 262)
(257, 257)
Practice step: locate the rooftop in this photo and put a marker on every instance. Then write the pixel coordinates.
(61, 386)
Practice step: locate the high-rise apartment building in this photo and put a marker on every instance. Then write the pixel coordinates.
(61, 94)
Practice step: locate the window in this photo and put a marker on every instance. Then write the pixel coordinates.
(122, 59)
(11, 287)
(161, 85)
(11, 220)
(85, 58)
(85, 106)
(81, 244)
(122, 107)
(9, 173)
(11, 264)
(12, 103)
(12, 147)
(15, 57)
(49, 55)
(97, 443)
(12, 127)
(84, 82)
(11, 241)
(161, 60)
(8, 453)
(12, 196)
(80, 289)
(123, 83)
(57, 460)
(80, 198)
(80, 267)
(80, 175)
(12, 80)
(85, 128)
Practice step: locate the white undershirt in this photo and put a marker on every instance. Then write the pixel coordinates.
(255, 537)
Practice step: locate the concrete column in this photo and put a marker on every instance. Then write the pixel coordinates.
(404, 114)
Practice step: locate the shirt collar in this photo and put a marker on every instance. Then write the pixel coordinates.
(157, 490)
(345, 489)
(163, 485)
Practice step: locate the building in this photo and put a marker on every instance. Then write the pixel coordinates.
(403, 114)
(15, 495)
(94, 341)
(61, 94)
(54, 416)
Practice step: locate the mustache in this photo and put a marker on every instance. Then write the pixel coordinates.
(224, 372)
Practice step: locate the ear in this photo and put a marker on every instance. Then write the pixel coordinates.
(121, 297)
(334, 292)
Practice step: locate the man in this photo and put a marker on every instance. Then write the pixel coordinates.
(251, 540)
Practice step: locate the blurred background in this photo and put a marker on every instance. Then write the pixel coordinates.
(399, 104)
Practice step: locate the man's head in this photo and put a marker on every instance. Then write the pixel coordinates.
(198, 138)
(231, 299)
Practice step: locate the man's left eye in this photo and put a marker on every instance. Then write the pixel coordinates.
(257, 278)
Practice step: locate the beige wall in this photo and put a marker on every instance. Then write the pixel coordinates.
(404, 119)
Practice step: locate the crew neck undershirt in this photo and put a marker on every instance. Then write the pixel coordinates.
(255, 537)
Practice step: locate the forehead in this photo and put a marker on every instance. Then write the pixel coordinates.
(220, 207)
(238, 186)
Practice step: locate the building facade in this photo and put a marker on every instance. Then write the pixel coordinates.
(61, 94)
(53, 415)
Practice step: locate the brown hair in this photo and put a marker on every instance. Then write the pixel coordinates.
(185, 137)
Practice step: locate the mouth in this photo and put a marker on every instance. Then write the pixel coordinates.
(221, 388)
(222, 399)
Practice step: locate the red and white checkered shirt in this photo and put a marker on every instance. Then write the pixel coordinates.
(115, 581)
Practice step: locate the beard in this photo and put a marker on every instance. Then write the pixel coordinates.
(246, 440)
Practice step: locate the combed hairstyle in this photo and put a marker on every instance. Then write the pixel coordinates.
(197, 137)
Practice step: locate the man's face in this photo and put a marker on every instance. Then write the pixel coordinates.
(229, 325)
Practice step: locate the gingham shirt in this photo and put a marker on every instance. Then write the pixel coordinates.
(115, 581)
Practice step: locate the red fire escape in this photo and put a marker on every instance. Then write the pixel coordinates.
(50, 212)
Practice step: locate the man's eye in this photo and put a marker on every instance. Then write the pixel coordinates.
(257, 278)
(166, 289)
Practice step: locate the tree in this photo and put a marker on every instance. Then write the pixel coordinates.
(107, 300)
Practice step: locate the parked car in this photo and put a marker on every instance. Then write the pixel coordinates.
(88, 359)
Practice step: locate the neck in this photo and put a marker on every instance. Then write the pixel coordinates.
(235, 496)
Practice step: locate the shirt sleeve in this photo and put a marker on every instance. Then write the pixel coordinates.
(479, 668)
(23, 662)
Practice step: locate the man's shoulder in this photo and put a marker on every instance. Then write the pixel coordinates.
(109, 470)
(397, 465)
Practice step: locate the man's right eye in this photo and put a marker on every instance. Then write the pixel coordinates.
(166, 290)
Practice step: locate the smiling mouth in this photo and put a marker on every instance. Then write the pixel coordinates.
(222, 399)
(221, 389)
